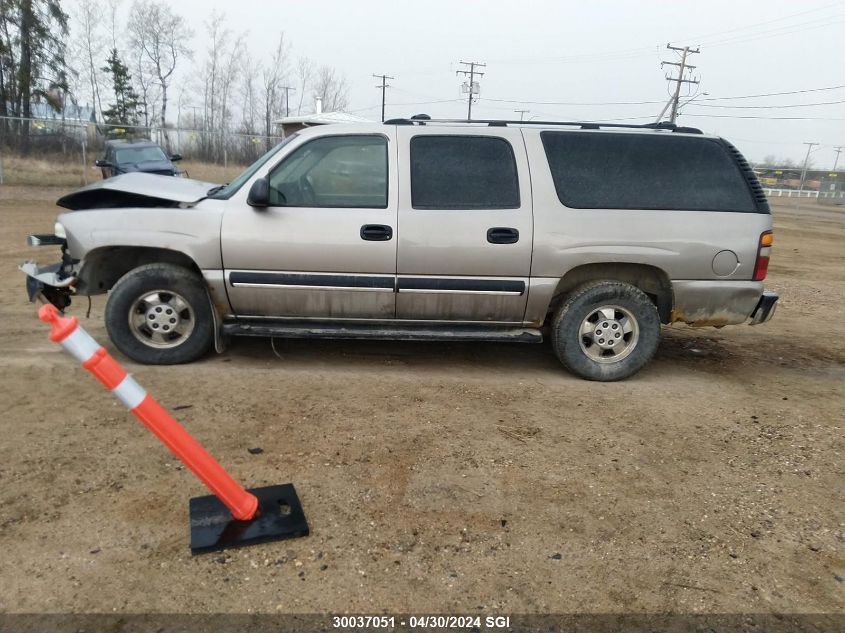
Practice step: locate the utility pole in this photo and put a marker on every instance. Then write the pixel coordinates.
(471, 73)
(836, 160)
(522, 113)
(194, 121)
(287, 90)
(384, 86)
(682, 68)
(804, 170)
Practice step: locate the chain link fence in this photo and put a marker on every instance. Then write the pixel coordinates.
(59, 151)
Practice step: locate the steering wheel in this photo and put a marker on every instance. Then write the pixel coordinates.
(307, 189)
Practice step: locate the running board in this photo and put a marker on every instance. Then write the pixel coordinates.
(306, 329)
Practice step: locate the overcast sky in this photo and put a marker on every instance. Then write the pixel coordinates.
(575, 52)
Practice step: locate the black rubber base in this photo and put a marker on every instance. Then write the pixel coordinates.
(279, 517)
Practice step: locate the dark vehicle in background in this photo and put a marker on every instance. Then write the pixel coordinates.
(123, 157)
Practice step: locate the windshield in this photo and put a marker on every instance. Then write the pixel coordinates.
(226, 191)
(137, 155)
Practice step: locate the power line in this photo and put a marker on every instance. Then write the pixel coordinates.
(384, 86)
(682, 68)
(571, 103)
(375, 107)
(609, 103)
(629, 53)
(642, 51)
(771, 118)
(755, 25)
(775, 94)
(777, 32)
(759, 107)
(473, 87)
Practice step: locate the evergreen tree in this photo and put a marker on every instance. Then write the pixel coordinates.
(32, 62)
(124, 110)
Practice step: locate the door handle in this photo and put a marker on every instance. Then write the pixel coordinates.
(376, 232)
(502, 235)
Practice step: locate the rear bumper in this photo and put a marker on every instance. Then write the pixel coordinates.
(765, 309)
(717, 303)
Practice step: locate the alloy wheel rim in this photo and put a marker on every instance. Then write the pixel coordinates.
(162, 319)
(609, 334)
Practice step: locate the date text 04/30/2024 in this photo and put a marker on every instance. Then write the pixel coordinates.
(421, 622)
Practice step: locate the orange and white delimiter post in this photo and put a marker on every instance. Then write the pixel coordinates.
(75, 340)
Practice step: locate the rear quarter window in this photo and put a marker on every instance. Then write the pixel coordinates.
(645, 171)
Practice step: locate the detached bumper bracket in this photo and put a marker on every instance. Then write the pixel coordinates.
(48, 282)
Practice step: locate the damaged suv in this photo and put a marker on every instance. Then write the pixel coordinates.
(416, 229)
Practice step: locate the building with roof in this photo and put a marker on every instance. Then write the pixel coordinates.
(291, 124)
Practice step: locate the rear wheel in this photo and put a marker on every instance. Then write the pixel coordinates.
(606, 330)
(159, 314)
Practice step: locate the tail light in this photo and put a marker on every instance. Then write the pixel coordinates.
(761, 266)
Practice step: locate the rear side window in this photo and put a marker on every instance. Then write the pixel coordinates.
(463, 172)
(639, 171)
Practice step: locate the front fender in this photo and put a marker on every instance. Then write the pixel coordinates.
(193, 231)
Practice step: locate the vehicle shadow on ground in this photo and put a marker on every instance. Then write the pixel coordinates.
(679, 350)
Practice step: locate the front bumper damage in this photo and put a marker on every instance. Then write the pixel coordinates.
(54, 283)
(47, 282)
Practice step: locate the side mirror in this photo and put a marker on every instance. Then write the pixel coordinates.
(102, 163)
(259, 194)
(175, 157)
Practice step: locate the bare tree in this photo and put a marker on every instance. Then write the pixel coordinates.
(304, 73)
(145, 87)
(89, 46)
(251, 69)
(160, 38)
(273, 78)
(220, 72)
(114, 5)
(332, 88)
(229, 73)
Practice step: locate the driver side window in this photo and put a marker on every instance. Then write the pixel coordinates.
(333, 171)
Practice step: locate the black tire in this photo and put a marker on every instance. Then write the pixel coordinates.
(580, 305)
(167, 278)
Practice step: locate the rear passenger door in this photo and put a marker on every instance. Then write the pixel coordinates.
(465, 224)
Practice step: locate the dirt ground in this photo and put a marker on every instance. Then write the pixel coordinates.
(442, 477)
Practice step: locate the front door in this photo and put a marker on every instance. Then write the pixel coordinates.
(466, 224)
(326, 245)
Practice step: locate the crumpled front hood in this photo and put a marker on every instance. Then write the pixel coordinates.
(136, 190)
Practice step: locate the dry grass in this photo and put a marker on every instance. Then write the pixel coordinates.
(210, 172)
(55, 170)
(67, 171)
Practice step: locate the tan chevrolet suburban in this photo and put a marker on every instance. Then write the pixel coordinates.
(415, 229)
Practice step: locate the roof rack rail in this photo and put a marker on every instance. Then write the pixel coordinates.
(584, 125)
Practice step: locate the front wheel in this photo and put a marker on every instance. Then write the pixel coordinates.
(159, 314)
(606, 330)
